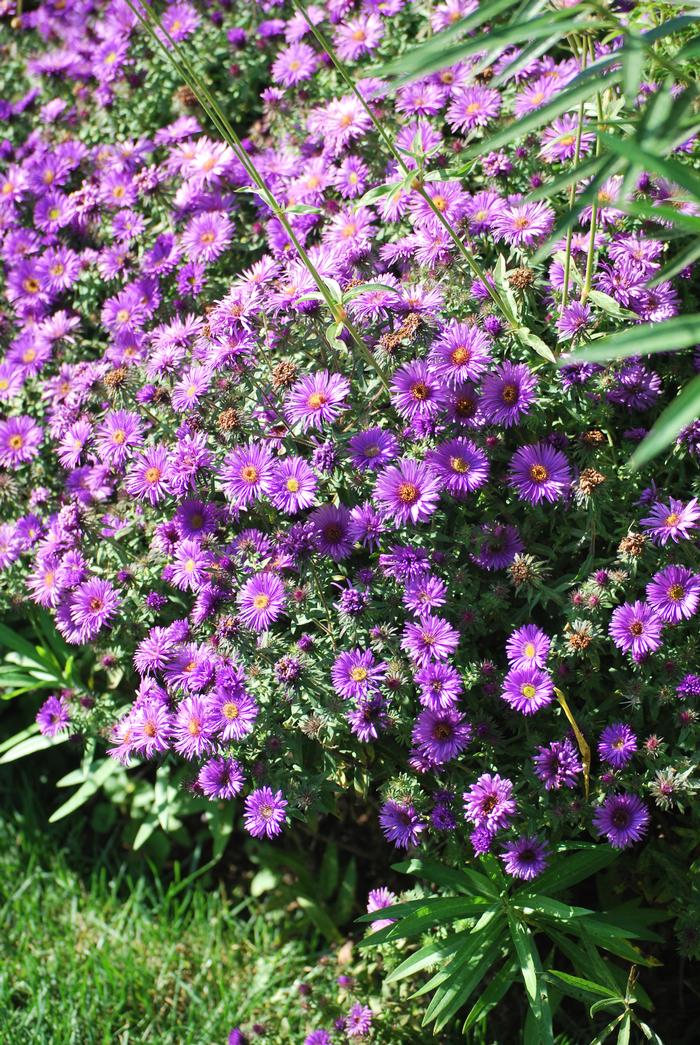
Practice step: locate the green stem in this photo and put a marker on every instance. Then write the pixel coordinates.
(208, 103)
(594, 206)
(572, 188)
(418, 187)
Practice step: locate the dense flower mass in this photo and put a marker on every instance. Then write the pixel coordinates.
(283, 436)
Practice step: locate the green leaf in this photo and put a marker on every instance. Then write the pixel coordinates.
(607, 1031)
(580, 172)
(531, 972)
(682, 260)
(610, 305)
(423, 920)
(464, 980)
(264, 881)
(425, 957)
(571, 868)
(633, 58)
(526, 337)
(31, 745)
(623, 1035)
(465, 879)
(316, 914)
(18, 737)
(491, 995)
(346, 893)
(534, 903)
(677, 415)
(328, 874)
(649, 161)
(442, 907)
(584, 987)
(671, 335)
(97, 777)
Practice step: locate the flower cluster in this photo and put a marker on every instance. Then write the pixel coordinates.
(372, 558)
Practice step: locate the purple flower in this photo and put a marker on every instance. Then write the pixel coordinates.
(559, 142)
(190, 729)
(53, 717)
(369, 717)
(522, 225)
(221, 778)
(377, 900)
(373, 448)
(358, 36)
(331, 526)
(473, 107)
(261, 601)
(636, 628)
(558, 764)
(152, 728)
(358, 1021)
(424, 594)
(408, 490)
(573, 319)
(489, 802)
(674, 593)
(246, 474)
(316, 400)
(231, 712)
(527, 689)
(508, 393)
(416, 391)
(617, 745)
(460, 465)
(190, 566)
(528, 647)
(356, 673)
(20, 439)
(441, 735)
(400, 824)
(148, 477)
(439, 684)
(430, 638)
(264, 815)
(497, 545)
(294, 64)
(93, 604)
(673, 521)
(525, 858)
(538, 472)
(292, 485)
(622, 818)
(461, 353)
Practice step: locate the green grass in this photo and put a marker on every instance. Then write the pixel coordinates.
(112, 957)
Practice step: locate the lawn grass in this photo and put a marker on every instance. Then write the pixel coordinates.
(112, 957)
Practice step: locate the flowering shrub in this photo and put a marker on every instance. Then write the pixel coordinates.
(301, 446)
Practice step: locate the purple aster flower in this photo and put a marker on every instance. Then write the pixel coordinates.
(508, 393)
(424, 594)
(294, 64)
(674, 593)
(617, 744)
(460, 465)
(231, 712)
(525, 858)
(528, 647)
(148, 476)
(497, 545)
(358, 36)
(461, 353)
(245, 474)
(53, 717)
(372, 449)
(523, 225)
(377, 900)
(559, 142)
(441, 735)
(187, 392)
(689, 686)
(190, 566)
(489, 802)
(116, 436)
(356, 673)
(538, 472)
(439, 685)
(573, 319)
(261, 601)
(622, 818)
(190, 730)
(481, 840)
(400, 823)
(92, 605)
(20, 439)
(368, 718)
(331, 525)
(366, 525)
(292, 485)
(417, 392)
(527, 689)
(316, 400)
(672, 521)
(221, 778)
(636, 628)
(265, 815)
(358, 1021)
(431, 638)
(408, 490)
(318, 1037)
(472, 107)
(558, 764)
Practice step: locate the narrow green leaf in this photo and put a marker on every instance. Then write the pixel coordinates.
(533, 978)
(96, 778)
(669, 336)
(18, 737)
(665, 166)
(586, 986)
(31, 746)
(425, 957)
(491, 995)
(623, 1035)
(571, 868)
(534, 903)
(466, 878)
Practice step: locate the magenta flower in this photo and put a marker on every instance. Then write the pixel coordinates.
(430, 638)
(461, 353)
(407, 491)
(674, 593)
(92, 605)
(292, 485)
(441, 735)
(261, 601)
(190, 730)
(672, 522)
(538, 472)
(316, 400)
(528, 647)
(508, 393)
(527, 689)
(20, 439)
(617, 745)
(473, 107)
(489, 802)
(246, 473)
(356, 673)
(416, 391)
(400, 824)
(148, 476)
(460, 465)
(190, 565)
(636, 628)
(265, 815)
(221, 778)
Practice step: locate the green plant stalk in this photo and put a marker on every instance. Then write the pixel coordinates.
(189, 75)
(572, 189)
(594, 205)
(418, 187)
